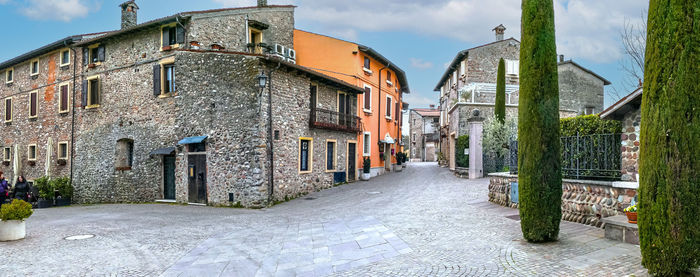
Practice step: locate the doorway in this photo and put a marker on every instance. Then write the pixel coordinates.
(453, 151)
(197, 178)
(352, 161)
(169, 177)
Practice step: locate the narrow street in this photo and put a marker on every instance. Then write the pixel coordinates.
(420, 222)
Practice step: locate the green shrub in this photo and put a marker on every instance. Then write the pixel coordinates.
(497, 136)
(64, 187)
(669, 162)
(500, 109)
(45, 188)
(539, 166)
(366, 165)
(461, 159)
(588, 125)
(17, 210)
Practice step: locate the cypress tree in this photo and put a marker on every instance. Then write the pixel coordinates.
(539, 163)
(669, 163)
(501, 92)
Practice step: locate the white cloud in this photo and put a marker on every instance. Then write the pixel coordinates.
(3, 2)
(421, 64)
(417, 101)
(61, 10)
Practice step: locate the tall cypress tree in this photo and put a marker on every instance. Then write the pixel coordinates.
(500, 109)
(539, 164)
(669, 163)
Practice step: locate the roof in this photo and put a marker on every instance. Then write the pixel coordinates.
(605, 81)
(172, 18)
(314, 75)
(628, 103)
(460, 56)
(62, 43)
(427, 112)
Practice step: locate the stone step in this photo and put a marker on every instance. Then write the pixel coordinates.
(618, 228)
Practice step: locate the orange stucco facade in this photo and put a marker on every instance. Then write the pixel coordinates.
(346, 61)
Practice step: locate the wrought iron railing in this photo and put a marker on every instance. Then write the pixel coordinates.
(596, 157)
(332, 120)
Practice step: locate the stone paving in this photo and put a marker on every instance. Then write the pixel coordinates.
(420, 222)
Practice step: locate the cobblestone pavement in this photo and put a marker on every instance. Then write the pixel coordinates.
(419, 222)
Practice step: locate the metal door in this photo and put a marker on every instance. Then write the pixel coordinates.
(197, 177)
(352, 161)
(169, 177)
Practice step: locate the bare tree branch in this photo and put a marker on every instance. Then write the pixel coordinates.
(633, 37)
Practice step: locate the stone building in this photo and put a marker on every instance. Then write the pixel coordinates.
(628, 110)
(182, 109)
(424, 134)
(470, 83)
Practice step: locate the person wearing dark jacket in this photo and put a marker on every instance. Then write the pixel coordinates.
(22, 189)
(4, 189)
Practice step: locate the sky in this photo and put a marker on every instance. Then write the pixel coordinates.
(420, 36)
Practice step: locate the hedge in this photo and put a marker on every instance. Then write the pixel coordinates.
(588, 125)
(462, 143)
(539, 146)
(500, 109)
(669, 169)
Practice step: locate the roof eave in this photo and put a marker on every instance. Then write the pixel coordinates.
(40, 51)
(400, 74)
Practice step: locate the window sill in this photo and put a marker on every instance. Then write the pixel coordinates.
(64, 65)
(33, 118)
(304, 172)
(64, 112)
(34, 75)
(92, 106)
(169, 47)
(367, 111)
(331, 171)
(8, 121)
(9, 83)
(388, 118)
(389, 83)
(167, 95)
(367, 71)
(95, 64)
(124, 168)
(366, 155)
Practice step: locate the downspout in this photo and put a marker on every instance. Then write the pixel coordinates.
(379, 112)
(270, 154)
(72, 103)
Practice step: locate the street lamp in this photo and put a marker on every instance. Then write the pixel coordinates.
(262, 80)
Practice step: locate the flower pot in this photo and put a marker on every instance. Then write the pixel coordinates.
(365, 176)
(60, 202)
(43, 203)
(398, 168)
(632, 217)
(12, 230)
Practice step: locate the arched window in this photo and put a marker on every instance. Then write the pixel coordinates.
(125, 154)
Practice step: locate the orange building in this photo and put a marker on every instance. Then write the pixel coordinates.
(380, 107)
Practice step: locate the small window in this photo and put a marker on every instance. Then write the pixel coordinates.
(168, 78)
(33, 104)
(125, 154)
(63, 150)
(65, 57)
(9, 76)
(277, 134)
(256, 38)
(93, 95)
(463, 68)
(31, 152)
(331, 159)
(388, 78)
(7, 154)
(94, 53)
(388, 107)
(368, 99)
(197, 147)
(367, 64)
(63, 98)
(34, 66)
(305, 155)
(512, 67)
(8, 109)
(366, 144)
(590, 110)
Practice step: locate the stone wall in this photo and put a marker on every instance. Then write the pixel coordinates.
(579, 89)
(415, 121)
(585, 202)
(630, 145)
(482, 62)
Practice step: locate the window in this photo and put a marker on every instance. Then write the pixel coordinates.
(368, 99)
(63, 150)
(367, 64)
(7, 154)
(306, 150)
(31, 152)
(366, 144)
(314, 95)
(34, 67)
(197, 147)
(463, 68)
(388, 107)
(92, 96)
(388, 78)
(331, 158)
(590, 110)
(512, 67)
(65, 58)
(125, 154)
(168, 78)
(8, 109)
(63, 98)
(33, 104)
(454, 78)
(256, 38)
(172, 35)
(164, 77)
(9, 76)
(398, 113)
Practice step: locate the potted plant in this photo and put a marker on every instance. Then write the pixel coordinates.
(366, 166)
(404, 159)
(65, 191)
(398, 167)
(631, 212)
(46, 192)
(12, 216)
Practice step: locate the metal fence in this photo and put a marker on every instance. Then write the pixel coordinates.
(493, 163)
(593, 157)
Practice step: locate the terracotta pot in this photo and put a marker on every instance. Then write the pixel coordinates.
(632, 217)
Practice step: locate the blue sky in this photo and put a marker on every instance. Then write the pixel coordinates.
(421, 36)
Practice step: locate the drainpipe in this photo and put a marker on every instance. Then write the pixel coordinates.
(72, 103)
(379, 113)
(270, 140)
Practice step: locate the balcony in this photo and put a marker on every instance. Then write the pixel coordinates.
(332, 120)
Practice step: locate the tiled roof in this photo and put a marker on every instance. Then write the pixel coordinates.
(428, 112)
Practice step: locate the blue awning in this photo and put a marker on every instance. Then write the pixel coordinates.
(192, 140)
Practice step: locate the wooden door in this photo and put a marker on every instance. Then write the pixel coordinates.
(169, 177)
(352, 161)
(197, 178)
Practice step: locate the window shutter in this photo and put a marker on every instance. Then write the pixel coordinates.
(64, 98)
(156, 80)
(180, 35)
(101, 53)
(85, 56)
(396, 117)
(166, 36)
(85, 94)
(368, 98)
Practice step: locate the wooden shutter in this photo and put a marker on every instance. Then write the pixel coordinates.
(180, 35)
(166, 36)
(86, 58)
(33, 104)
(84, 94)
(396, 116)
(101, 53)
(64, 99)
(368, 98)
(156, 80)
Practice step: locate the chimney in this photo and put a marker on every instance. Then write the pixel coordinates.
(561, 58)
(262, 3)
(129, 13)
(500, 30)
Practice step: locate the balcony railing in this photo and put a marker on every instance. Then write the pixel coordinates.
(332, 120)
